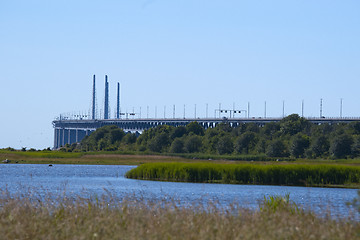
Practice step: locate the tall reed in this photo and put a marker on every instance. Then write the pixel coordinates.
(107, 218)
(291, 174)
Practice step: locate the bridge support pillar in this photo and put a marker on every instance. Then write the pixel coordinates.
(55, 138)
(59, 138)
(63, 137)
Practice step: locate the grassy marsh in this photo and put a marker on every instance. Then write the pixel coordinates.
(285, 174)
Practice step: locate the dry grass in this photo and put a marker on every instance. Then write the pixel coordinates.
(133, 158)
(98, 159)
(109, 218)
(108, 158)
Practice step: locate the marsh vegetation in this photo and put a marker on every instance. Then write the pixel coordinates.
(261, 174)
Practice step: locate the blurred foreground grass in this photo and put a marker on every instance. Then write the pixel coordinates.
(110, 218)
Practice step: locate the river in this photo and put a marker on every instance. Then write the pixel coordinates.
(91, 180)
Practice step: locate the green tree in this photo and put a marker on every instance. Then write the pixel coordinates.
(261, 146)
(193, 144)
(147, 138)
(178, 132)
(225, 145)
(245, 142)
(271, 130)
(355, 148)
(341, 145)
(177, 146)
(195, 128)
(298, 145)
(293, 124)
(355, 126)
(252, 127)
(320, 146)
(104, 138)
(211, 139)
(240, 129)
(102, 143)
(129, 138)
(224, 127)
(116, 135)
(159, 142)
(276, 148)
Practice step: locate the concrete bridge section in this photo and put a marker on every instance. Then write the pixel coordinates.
(72, 131)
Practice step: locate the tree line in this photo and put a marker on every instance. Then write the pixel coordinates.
(293, 136)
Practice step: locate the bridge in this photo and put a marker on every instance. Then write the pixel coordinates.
(68, 131)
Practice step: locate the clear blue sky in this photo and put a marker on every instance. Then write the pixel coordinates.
(174, 52)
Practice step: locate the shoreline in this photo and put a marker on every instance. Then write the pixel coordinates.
(136, 160)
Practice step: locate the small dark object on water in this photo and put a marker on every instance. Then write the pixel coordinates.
(50, 165)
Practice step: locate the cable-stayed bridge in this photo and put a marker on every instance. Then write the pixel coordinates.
(74, 129)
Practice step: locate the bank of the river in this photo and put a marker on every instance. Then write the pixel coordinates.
(135, 158)
(259, 174)
(218, 176)
(91, 158)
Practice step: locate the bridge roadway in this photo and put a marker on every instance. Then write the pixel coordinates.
(72, 131)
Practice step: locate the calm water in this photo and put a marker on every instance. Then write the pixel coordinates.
(90, 180)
